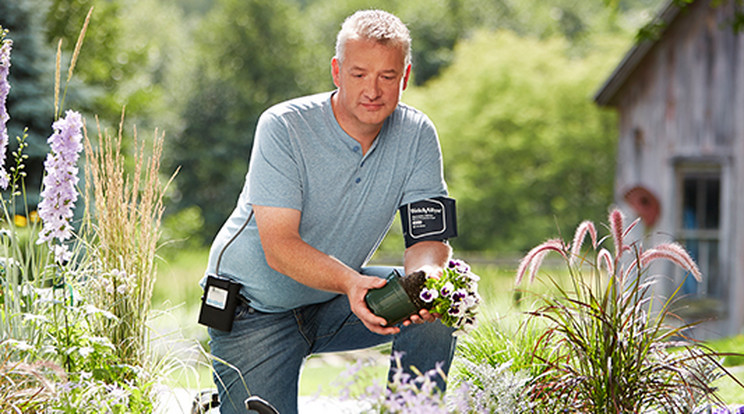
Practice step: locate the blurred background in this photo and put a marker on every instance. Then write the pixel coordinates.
(509, 84)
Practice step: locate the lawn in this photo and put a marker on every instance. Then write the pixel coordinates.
(177, 294)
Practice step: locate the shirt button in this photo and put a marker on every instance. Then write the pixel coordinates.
(358, 180)
(356, 148)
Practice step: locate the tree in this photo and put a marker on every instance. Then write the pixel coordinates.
(106, 73)
(252, 54)
(109, 59)
(525, 148)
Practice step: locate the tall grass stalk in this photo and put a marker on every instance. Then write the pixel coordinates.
(126, 215)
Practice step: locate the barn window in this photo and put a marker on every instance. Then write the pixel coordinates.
(699, 229)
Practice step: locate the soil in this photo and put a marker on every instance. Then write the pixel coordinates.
(413, 283)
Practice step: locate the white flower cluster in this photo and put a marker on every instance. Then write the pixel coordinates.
(454, 296)
(115, 283)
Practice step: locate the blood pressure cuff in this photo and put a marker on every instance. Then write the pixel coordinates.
(430, 219)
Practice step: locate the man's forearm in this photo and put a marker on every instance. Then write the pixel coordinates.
(311, 267)
(287, 253)
(426, 255)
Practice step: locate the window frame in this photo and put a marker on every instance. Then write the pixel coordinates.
(708, 238)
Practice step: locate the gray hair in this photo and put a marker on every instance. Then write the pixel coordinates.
(376, 25)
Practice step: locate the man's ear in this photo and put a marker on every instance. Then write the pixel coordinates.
(406, 77)
(335, 71)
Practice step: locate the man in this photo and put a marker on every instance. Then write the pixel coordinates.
(327, 174)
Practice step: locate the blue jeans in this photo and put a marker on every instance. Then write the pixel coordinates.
(269, 349)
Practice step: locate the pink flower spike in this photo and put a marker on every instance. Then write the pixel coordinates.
(584, 227)
(632, 225)
(537, 254)
(536, 263)
(681, 259)
(679, 255)
(604, 256)
(616, 226)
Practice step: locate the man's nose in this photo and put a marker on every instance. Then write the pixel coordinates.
(372, 88)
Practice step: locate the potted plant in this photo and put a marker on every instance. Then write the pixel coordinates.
(454, 296)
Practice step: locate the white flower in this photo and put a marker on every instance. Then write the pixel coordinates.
(447, 289)
(474, 277)
(61, 253)
(470, 301)
(109, 287)
(85, 351)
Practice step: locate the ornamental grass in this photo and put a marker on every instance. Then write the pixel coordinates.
(617, 346)
(124, 229)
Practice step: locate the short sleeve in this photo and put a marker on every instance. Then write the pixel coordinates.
(274, 176)
(426, 178)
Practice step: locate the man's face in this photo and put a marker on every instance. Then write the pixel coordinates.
(370, 83)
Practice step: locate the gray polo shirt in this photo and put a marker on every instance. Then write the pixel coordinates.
(302, 159)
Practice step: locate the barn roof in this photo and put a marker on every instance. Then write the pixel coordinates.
(606, 94)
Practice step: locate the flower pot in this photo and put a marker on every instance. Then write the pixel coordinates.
(391, 301)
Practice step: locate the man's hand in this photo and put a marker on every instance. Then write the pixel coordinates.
(423, 316)
(356, 292)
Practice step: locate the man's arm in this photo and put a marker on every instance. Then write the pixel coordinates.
(430, 257)
(288, 254)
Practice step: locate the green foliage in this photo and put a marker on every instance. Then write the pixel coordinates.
(253, 54)
(547, 96)
(205, 70)
(111, 58)
(524, 146)
(497, 343)
(730, 346)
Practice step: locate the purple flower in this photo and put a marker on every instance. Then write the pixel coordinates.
(5, 47)
(458, 266)
(454, 311)
(428, 295)
(459, 295)
(59, 193)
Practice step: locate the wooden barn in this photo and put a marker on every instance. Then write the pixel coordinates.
(680, 105)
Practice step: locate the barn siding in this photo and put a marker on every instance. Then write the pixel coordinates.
(736, 322)
(683, 102)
